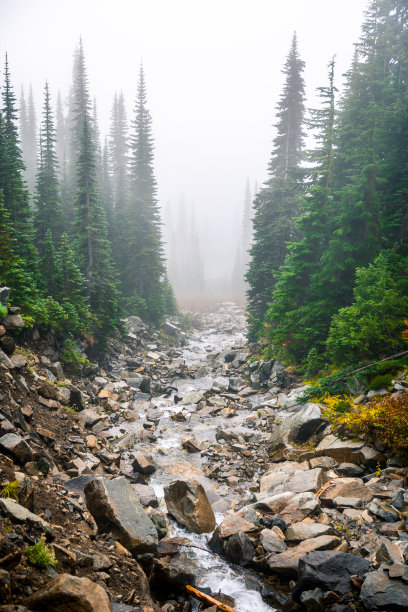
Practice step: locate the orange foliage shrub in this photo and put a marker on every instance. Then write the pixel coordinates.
(384, 419)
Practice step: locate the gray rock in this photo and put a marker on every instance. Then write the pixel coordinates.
(191, 445)
(68, 592)
(146, 495)
(18, 361)
(77, 398)
(382, 510)
(8, 344)
(19, 514)
(188, 503)
(343, 451)
(239, 548)
(5, 360)
(16, 447)
(90, 417)
(271, 543)
(193, 397)
(298, 427)
(379, 592)
(313, 600)
(13, 321)
(306, 530)
(117, 509)
(144, 464)
(329, 570)
(286, 563)
(350, 469)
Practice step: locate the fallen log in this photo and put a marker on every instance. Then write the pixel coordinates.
(208, 599)
(370, 365)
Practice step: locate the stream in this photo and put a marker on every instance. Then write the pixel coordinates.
(220, 332)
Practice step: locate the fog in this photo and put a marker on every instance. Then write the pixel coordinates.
(213, 72)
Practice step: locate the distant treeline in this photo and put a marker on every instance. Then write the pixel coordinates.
(328, 273)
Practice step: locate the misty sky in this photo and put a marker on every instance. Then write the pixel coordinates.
(213, 70)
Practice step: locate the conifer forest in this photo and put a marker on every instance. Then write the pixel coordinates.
(203, 306)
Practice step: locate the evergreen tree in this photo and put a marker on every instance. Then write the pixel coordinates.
(94, 255)
(238, 283)
(48, 213)
(277, 203)
(28, 139)
(294, 317)
(143, 272)
(118, 157)
(15, 196)
(106, 192)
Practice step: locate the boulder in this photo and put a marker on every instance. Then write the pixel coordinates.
(298, 427)
(306, 530)
(144, 464)
(117, 509)
(343, 451)
(286, 563)
(193, 397)
(329, 570)
(191, 445)
(16, 447)
(346, 487)
(13, 321)
(5, 360)
(8, 344)
(146, 495)
(188, 503)
(174, 573)
(286, 477)
(380, 592)
(18, 514)
(18, 361)
(70, 593)
(271, 542)
(292, 508)
(382, 510)
(239, 548)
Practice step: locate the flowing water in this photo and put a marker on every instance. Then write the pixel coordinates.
(173, 462)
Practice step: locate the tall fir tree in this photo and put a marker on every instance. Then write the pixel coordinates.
(277, 203)
(143, 271)
(16, 197)
(118, 157)
(48, 212)
(238, 284)
(28, 139)
(294, 321)
(93, 248)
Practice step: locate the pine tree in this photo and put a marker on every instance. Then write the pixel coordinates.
(238, 283)
(143, 271)
(48, 213)
(118, 158)
(106, 192)
(15, 196)
(277, 203)
(94, 255)
(28, 139)
(294, 321)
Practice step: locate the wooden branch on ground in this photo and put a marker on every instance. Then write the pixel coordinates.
(370, 365)
(208, 599)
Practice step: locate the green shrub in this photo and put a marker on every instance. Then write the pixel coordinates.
(380, 381)
(3, 311)
(71, 357)
(41, 555)
(373, 324)
(10, 490)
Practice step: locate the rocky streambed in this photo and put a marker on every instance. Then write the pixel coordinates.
(185, 461)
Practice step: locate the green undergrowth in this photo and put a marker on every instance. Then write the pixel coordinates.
(347, 381)
(41, 555)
